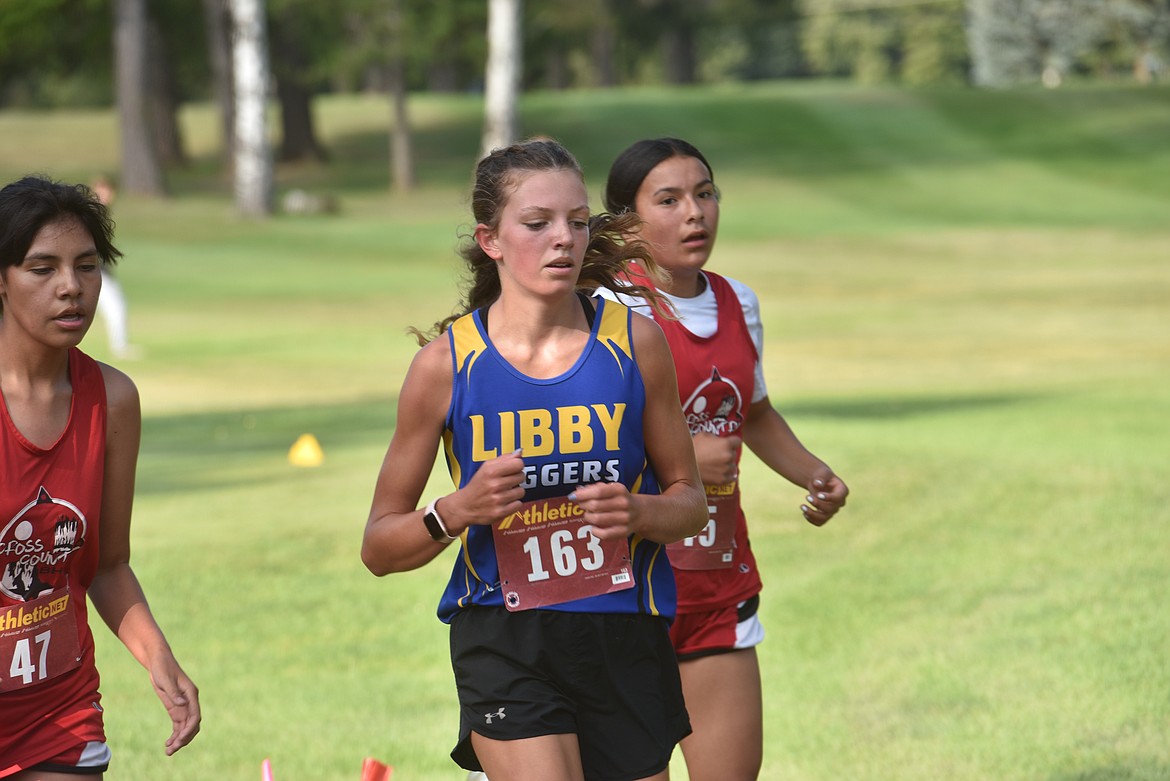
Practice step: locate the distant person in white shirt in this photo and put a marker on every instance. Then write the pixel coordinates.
(111, 305)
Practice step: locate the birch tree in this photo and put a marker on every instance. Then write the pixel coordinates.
(253, 152)
(502, 77)
(1014, 41)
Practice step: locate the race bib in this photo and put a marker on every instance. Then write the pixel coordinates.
(547, 555)
(38, 641)
(714, 547)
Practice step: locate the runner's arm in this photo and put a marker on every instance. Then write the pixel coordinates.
(115, 591)
(395, 538)
(769, 436)
(680, 510)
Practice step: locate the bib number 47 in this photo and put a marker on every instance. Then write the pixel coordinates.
(30, 658)
(39, 641)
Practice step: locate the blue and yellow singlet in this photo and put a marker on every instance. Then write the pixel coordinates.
(581, 427)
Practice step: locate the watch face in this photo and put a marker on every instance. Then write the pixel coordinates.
(435, 528)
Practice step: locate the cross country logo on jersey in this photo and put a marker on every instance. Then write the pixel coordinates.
(715, 407)
(35, 544)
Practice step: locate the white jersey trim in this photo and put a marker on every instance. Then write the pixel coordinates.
(700, 315)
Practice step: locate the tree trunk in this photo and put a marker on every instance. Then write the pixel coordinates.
(679, 51)
(401, 152)
(401, 148)
(141, 171)
(162, 99)
(503, 74)
(217, 20)
(298, 138)
(253, 168)
(602, 46)
(556, 69)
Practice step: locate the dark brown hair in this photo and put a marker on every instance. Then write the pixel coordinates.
(639, 159)
(30, 203)
(611, 245)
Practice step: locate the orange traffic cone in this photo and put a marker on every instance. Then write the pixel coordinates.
(373, 770)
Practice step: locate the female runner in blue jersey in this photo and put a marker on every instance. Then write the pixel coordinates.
(573, 468)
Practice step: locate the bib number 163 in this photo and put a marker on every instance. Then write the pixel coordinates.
(563, 554)
(548, 555)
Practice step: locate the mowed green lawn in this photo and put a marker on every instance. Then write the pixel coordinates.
(967, 300)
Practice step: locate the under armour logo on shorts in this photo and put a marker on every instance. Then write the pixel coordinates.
(497, 714)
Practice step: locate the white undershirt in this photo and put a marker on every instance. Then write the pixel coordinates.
(700, 315)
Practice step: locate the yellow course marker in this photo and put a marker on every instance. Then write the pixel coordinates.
(306, 451)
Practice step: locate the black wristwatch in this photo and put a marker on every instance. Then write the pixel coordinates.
(435, 525)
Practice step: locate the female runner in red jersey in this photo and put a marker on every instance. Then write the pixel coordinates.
(717, 342)
(69, 436)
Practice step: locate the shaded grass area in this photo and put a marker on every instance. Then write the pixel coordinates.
(966, 299)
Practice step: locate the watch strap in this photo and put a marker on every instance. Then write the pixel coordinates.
(435, 526)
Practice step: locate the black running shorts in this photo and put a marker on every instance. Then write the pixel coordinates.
(610, 679)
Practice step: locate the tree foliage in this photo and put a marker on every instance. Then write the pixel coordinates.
(914, 42)
(58, 52)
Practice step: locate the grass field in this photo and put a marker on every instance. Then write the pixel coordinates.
(967, 299)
